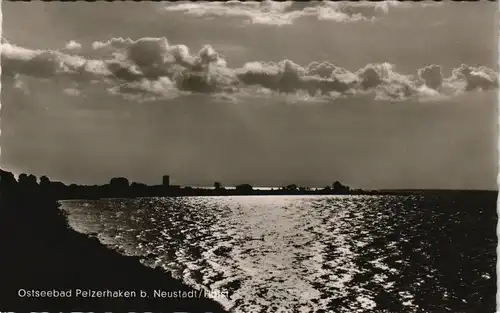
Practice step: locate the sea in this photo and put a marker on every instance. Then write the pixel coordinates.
(431, 252)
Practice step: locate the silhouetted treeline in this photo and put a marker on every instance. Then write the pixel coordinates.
(120, 187)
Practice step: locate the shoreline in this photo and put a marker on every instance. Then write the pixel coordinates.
(40, 251)
(282, 194)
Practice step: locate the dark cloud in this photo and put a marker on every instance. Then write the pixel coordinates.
(147, 52)
(370, 77)
(154, 58)
(432, 76)
(386, 82)
(124, 71)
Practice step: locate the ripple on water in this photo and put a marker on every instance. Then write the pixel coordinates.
(340, 254)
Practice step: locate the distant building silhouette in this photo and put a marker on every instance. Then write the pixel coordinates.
(166, 180)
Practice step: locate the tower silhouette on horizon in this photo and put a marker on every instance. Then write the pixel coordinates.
(166, 180)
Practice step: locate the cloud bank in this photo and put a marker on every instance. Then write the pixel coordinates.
(154, 69)
(285, 13)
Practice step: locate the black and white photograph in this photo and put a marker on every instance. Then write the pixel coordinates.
(249, 156)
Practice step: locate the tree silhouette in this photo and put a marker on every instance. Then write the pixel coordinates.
(27, 181)
(7, 179)
(338, 187)
(44, 181)
(119, 182)
(245, 188)
(23, 178)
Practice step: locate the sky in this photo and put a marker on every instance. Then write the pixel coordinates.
(376, 95)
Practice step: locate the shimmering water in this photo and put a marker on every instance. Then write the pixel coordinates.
(312, 253)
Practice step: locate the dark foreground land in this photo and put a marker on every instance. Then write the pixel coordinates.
(40, 252)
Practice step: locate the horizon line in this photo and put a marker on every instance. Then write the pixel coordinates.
(496, 189)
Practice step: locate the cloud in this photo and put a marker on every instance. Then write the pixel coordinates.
(153, 69)
(474, 78)
(266, 12)
(73, 45)
(285, 13)
(154, 57)
(326, 79)
(47, 64)
(432, 76)
(287, 76)
(24, 61)
(386, 82)
(146, 90)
